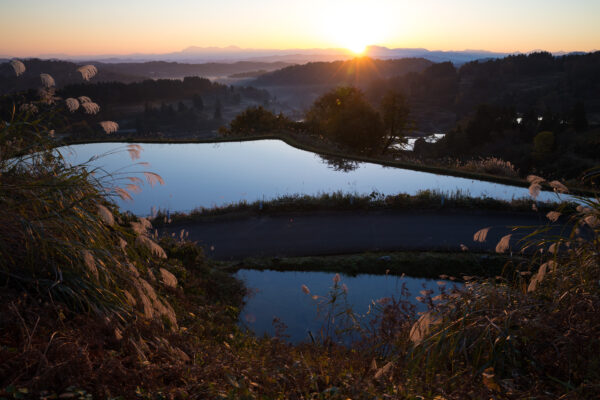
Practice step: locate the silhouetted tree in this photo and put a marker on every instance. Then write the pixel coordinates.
(395, 112)
(344, 116)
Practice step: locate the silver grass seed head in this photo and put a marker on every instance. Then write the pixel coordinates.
(108, 126)
(47, 80)
(72, 104)
(18, 67)
(87, 71)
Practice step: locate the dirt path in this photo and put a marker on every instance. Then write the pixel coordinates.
(322, 233)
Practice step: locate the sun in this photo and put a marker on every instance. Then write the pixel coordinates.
(356, 45)
(353, 25)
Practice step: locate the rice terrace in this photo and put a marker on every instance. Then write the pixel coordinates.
(299, 200)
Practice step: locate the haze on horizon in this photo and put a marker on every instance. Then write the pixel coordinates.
(37, 27)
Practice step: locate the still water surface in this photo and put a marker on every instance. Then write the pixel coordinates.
(207, 175)
(279, 295)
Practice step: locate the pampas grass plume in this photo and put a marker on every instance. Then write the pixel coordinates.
(72, 104)
(336, 279)
(145, 242)
(553, 216)
(47, 80)
(122, 193)
(108, 126)
(153, 178)
(87, 71)
(422, 327)
(305, 289)
(18, 67)
(535, 179)
(90, 108)
(106, 216)
(534, 189)
(481, 235)
(503, 244)
(134, 151)
(592, 221)
(133, 188)
(559, 187)
(28, 108)
(90, 262)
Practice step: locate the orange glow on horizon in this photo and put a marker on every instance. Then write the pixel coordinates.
(113, 27)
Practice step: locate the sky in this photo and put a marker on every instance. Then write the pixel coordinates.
(38, 27)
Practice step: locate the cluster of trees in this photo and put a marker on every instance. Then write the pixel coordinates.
(171, 106)
(258, 120)
(179, 118)
(162, 89)
(343, 116)
(538, 80)
(556, 144)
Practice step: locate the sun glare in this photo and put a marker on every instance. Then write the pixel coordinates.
(353, 25)
(357, 48)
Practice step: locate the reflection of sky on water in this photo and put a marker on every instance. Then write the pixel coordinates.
(205, 175)
(279, 294)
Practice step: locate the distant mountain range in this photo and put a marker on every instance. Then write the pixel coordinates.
(233, 54)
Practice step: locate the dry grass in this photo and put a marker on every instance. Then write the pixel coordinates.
(491, 165)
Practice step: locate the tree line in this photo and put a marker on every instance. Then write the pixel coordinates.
(162, 89)
(343, 116)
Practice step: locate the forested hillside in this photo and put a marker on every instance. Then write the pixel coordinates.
(358, 71)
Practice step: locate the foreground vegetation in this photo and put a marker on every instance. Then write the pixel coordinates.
(93, 304)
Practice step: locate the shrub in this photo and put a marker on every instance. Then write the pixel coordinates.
(258, 120)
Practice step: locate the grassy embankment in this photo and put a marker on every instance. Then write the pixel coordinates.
(424, 200)
(415, 264)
